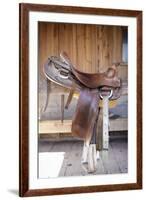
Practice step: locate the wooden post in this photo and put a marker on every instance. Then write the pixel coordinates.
(62, 108)
(105, 123)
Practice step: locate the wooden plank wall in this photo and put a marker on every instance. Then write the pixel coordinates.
(92, 48)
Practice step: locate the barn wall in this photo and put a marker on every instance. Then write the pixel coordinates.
(92, 48)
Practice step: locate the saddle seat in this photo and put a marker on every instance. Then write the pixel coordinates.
(96, 80)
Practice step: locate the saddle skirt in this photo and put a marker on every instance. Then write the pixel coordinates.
(85, 115)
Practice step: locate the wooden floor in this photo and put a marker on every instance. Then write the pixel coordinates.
(113, 161)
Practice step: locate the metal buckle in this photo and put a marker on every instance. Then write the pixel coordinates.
(110, 95)
(64, 74)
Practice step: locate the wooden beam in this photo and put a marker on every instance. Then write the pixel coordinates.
(120, 124)
(56, 126)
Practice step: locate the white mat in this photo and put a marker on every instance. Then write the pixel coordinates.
(50, 164)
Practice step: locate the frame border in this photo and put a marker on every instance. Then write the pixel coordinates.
(24, 9)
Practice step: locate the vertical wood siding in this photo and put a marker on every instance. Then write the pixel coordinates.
(92, 48)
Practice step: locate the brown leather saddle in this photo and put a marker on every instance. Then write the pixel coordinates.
(90, 86)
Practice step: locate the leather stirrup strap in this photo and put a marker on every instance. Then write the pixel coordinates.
(70, 96)
(48, 88)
